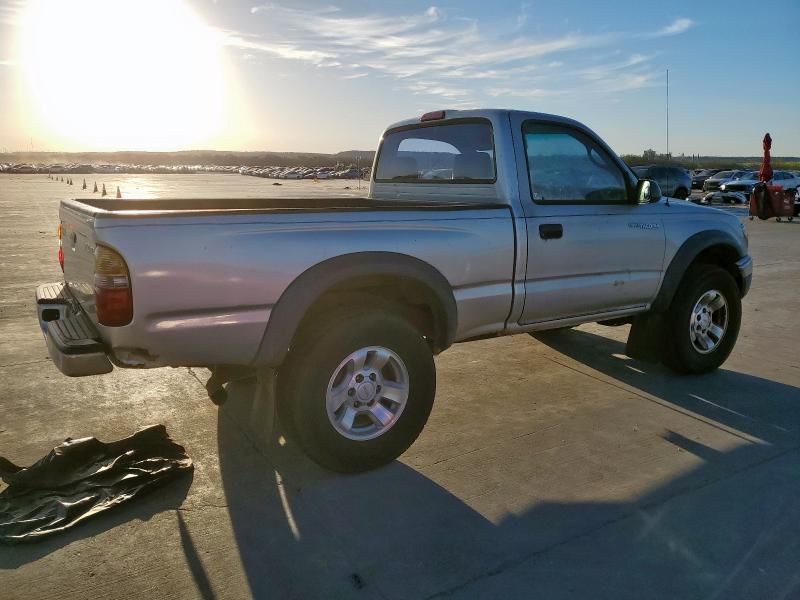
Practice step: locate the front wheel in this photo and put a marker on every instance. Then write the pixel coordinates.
(703, 321)
(358, 390)
(682, 194)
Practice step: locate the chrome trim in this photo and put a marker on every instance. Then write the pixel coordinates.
(78, 365)
(72, 365)
(745, 266)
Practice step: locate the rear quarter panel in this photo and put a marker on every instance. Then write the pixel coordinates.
(204, 287)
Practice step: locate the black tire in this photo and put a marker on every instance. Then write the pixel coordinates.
(681, 193)
(304, 379)
(679, 351)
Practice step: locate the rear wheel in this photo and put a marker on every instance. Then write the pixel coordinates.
(681, 193)
(703, 321)
(358, 391)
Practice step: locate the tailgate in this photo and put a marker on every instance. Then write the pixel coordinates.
(78, 243)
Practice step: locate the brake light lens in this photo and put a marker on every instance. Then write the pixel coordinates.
(436, 115)
(60, 249)
(112, 288)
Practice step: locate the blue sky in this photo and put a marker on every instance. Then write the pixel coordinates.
(327, 76)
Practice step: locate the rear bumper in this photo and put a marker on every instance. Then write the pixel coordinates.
(745, 266)
(72, 341)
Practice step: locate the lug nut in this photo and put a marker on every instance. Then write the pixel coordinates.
(372, 376)
(351, 392)
(359, 378)
(377, 388)
(356, 403)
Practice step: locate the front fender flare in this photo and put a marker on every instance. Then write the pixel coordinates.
(685, 256)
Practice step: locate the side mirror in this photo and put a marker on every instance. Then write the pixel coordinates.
(647, 191)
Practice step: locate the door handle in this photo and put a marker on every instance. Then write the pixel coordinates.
(551, 231)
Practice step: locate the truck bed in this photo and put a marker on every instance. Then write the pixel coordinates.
(213, 268)
(192, 206)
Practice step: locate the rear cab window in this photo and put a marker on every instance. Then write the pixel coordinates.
(454, 152)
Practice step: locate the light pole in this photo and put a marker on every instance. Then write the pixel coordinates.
(667, 113)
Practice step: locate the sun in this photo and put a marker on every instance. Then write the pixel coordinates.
(121, 74)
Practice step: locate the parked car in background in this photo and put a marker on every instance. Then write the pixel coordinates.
(674, 182)
(700, 176)
(745, 184)
(788, 179)
(713, 183)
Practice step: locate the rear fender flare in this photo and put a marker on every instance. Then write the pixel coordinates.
(295, 302)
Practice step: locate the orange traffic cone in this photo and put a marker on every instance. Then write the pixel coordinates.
(119, 194)
(94, 191)
(84, 183)
(104, 191)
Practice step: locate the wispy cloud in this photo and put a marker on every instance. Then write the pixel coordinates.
(678, 26)
(282, 50)
(442, 55)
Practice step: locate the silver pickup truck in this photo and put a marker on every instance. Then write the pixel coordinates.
(479, 223)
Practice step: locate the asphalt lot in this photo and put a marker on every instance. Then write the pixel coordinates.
(552, 468)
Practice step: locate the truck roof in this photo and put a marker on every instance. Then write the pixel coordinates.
(488, 113)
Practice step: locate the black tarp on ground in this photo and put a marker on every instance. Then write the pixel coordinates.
(80, 478)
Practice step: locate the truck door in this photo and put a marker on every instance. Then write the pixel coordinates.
(590, 249)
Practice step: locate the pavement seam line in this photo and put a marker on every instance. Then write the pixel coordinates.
(663, 403)
(511, 563)
(28, 362)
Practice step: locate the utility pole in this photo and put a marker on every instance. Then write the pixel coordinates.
(667, 112)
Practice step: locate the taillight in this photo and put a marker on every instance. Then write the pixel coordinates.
(112, 288)
(60, 249)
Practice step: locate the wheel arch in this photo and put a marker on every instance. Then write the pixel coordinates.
(686, 192)
(708, 247)
(421, 290)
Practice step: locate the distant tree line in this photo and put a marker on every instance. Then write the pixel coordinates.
(194, 157)
(714, 162)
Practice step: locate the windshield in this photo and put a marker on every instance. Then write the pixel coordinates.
(723, 175)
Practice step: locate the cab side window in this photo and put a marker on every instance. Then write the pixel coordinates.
(567, 167)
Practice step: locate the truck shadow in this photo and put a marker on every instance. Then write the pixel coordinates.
(750, 404)
(727, 527)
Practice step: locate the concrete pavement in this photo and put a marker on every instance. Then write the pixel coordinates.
(553, 467)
